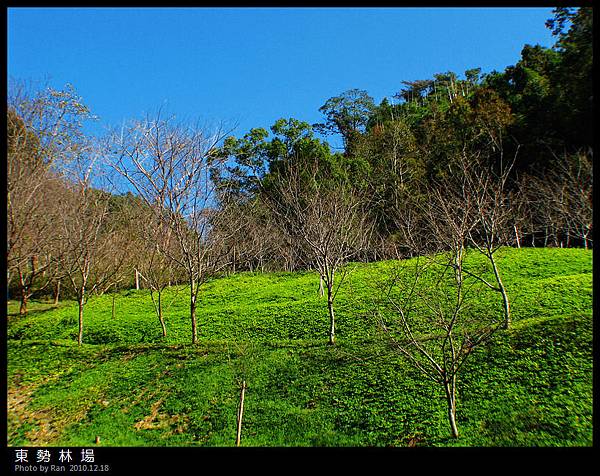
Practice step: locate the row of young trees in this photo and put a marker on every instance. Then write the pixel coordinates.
(453, 165)
(68, 223)
(266, 195)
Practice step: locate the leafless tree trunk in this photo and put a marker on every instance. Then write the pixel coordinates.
(330, 308)
(57, 292)
(450, 388)
(24, 295)
(80, 303)
(517, 236)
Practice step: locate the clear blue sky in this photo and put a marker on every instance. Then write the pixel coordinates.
(255, 65)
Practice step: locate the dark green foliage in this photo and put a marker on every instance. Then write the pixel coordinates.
(259, 164)
(525, 121)
(550, 91)
(348, 115)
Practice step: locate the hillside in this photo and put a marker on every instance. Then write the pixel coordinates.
(531, 386)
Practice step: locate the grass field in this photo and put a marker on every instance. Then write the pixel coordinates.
(129, 386)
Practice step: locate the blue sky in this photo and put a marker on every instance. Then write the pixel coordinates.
(252, 66)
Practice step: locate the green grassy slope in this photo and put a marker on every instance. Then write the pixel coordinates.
(531, 386)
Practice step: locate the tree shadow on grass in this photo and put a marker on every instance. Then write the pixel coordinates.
(34, 308)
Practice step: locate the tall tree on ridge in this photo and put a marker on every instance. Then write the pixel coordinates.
(347, 115)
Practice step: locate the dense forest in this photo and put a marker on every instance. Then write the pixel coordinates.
(450, 166)
(477, 160)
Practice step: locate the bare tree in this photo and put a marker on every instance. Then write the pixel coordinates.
(92, 250)
(169, 167)
(43, 131)
(495, 209)
(425, 310)
(557, 205)
(251, 236)
(564, 198)
(524, 213)
(472, 205)
(428, 320)
(578, 189)
(330, 221)
(155, 266)
(31, 251)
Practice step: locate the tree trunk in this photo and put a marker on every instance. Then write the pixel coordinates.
(80, 303)
(158, 308)
(24, 300)
(517, 236)
(234, 260)
(331, 313)
(193, 311)
(24, 296)
(160, 315)
(450, 388)
(505, 301)
(321, 289)
(458, 259)
(56, 292)
(137, 280)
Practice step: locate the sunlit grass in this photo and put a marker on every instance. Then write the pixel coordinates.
(129, 386)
